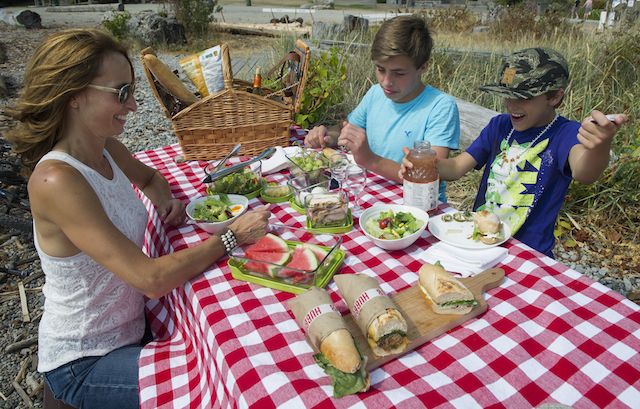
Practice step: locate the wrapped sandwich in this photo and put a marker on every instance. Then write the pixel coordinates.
(445, 293)
(487, 227)
(375, 313)
(327, 331)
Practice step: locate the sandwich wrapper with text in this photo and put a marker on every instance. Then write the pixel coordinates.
(465, 262)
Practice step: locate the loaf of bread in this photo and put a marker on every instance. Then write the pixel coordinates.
(167, 78)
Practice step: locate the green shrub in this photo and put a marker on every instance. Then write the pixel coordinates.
(194, 15)
(324, 90)
(116, 23)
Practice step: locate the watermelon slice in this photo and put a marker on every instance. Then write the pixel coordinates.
(317, 250)
(302, 259)
(270, 243)
(270, 257)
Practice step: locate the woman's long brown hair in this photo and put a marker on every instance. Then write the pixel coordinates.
(64, 64)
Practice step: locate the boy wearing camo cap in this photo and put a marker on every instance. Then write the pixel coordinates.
(531, 153)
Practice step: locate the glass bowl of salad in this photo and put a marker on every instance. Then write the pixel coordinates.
(393, 227)
(247, 181)
(310, 164)
(214, 213)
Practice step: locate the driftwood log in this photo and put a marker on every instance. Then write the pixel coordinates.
(473, 118)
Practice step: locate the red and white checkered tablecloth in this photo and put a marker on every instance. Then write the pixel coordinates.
(550, 334)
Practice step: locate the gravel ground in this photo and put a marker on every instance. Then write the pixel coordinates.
(147, 128)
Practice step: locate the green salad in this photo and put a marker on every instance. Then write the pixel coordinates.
(309, 160)
(391, 226)
(240, 183)
(215, 209)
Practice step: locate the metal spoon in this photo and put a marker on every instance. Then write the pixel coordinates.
(220, 164)
(266, 154)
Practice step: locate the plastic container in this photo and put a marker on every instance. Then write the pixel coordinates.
(283, 278)
(421, 183)
(327, 210)
(301, 187)
(310, 164)
(247, 182)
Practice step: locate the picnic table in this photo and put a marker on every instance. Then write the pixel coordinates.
(550, 334)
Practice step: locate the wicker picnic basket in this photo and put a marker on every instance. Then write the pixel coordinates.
(210, 127)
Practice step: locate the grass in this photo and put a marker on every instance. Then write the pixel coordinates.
(604, 77)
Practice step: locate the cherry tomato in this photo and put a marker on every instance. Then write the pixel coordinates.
(384, 222)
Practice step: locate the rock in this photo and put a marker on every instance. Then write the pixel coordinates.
(29, 19)
(152, 28)
(353, 23)
(332, 31)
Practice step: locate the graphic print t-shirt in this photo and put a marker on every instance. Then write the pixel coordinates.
(525, 185)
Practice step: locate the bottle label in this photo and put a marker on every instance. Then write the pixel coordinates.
(421, 195)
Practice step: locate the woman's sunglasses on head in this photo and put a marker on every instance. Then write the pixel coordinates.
(123, 92)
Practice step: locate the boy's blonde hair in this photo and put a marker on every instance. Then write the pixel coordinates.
(63, 65)
(403, 35)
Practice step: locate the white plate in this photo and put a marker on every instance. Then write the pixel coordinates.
(458, 234)
(278, 161)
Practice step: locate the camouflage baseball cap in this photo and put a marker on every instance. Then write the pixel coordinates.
(530, 72)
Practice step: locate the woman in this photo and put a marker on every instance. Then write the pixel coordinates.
(89, 224)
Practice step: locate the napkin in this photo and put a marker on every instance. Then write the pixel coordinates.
(465, 262)
(278, 161)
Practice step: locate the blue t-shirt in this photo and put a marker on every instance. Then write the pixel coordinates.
(390, 126)
(525, 185)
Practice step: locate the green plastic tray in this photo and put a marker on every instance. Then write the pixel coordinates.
(275, 199)
(239, 273)
(294, 206)
(333, 230)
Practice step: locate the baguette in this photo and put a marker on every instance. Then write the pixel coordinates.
(167, 78)
(341, 351)
(387, 334)
(445, 293)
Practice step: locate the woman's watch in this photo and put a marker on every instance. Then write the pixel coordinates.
(228, 240)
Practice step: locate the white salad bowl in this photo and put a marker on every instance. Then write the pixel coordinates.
(217, 227)
(397, 244)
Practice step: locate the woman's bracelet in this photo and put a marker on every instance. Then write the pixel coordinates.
(229, 240)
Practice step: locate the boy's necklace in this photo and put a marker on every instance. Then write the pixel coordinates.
(516, 159)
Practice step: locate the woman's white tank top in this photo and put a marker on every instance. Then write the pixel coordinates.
(88, 310)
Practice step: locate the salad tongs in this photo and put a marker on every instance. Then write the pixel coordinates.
(266, 154)
(220, 164)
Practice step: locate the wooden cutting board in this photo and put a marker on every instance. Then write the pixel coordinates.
(422, 323)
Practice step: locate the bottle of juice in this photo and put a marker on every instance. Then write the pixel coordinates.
(257, 81)
(421, 183)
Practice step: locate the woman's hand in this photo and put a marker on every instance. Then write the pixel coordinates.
(172, 212)
(252, 225)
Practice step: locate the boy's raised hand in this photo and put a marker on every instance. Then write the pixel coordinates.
(597, 130)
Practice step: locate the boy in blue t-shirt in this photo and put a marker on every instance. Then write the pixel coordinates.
(531, 153)
(400, 109)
